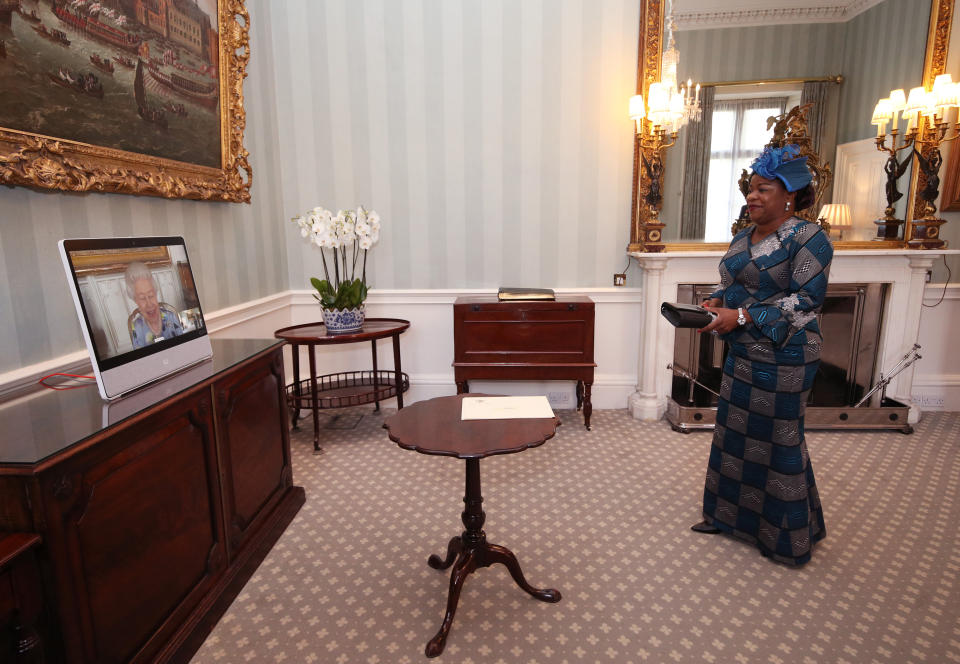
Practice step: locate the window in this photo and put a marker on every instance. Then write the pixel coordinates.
(738, 136)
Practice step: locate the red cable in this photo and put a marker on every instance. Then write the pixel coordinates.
(64, 387)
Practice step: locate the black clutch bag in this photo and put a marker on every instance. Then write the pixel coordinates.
(686, 315)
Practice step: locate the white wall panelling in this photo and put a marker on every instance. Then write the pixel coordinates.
(860, 183)
(426, 348)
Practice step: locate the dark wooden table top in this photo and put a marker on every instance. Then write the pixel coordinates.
(434, 427)
(316, 333)
(45, 422)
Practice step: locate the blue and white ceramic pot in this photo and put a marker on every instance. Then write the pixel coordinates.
(339, 321)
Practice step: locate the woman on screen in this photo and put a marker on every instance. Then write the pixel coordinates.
(152, 320)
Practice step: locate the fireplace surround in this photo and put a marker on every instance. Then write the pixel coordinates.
(899, 273)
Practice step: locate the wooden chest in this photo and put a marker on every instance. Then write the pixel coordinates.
(525, 340)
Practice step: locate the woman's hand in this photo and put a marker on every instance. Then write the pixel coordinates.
(726, 320)
(711, 303)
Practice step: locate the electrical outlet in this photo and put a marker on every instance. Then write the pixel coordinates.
(558, 399)
(928, 276)
(620, 279)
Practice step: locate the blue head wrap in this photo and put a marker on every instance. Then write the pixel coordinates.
(782, 164)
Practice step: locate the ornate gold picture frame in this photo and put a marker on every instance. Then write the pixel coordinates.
(56, 162)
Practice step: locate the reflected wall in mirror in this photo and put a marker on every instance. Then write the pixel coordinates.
(755, 62)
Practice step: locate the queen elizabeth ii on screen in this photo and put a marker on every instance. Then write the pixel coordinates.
(152, 320)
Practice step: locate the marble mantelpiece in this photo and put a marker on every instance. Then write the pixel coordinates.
(904, 270)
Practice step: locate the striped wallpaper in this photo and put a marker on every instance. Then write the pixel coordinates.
(492, 137)
(874, 62)
(761, 52)
(870, 50)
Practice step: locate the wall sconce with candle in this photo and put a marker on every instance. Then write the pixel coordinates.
(658, 120)
(888, 110)
(927, 128)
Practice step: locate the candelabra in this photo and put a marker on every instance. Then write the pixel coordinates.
(927, 129)
(655, 134)
(657, 126)
(669, 107)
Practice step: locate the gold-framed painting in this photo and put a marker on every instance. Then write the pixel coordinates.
(125, 96)
(117, 260)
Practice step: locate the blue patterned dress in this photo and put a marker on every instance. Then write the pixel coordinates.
(760, 484)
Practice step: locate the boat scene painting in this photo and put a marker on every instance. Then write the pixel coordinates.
(134, 75)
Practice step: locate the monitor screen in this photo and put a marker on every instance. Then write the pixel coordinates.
(138, 307)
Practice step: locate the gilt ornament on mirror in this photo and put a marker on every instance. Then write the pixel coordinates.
(343, 237)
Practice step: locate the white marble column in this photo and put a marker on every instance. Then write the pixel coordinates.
(646, 403)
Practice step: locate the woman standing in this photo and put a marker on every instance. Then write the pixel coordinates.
(760, 485)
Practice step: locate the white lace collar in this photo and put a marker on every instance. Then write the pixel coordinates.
(775, 240)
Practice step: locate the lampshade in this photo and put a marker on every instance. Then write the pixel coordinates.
(882, 112)
(637, 111)
(916, 102)
(837, 215)
(676, 110)
(658, 104)
(898, 100)
(658, 98)
(942, 80)
(944, 93)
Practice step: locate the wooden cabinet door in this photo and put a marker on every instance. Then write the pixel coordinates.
(135, 532)
(254, 446)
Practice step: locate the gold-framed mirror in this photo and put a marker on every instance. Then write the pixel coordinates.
(870, 51)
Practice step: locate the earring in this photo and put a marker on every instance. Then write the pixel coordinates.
(788, 206)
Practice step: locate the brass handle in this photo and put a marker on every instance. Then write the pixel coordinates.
(475, 307)
(571, 307)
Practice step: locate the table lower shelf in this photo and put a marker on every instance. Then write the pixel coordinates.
(348, 388)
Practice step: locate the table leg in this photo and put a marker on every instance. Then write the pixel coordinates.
(579, 394)
(462, 387)
(376, 378)
(316, 400)
(397, 370)
(297, 388)
(472, 551)
(587, 404)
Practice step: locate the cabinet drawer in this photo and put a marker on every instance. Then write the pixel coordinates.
(566, 340)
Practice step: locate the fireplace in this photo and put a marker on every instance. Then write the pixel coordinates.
(850, 321)
(897, 274)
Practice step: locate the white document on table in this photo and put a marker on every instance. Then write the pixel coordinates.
(505, 408)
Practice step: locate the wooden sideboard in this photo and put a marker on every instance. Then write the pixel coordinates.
(525, 340)
(153, 510)
(21, 604)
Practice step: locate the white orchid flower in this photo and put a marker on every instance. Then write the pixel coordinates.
(365, 242)
(362, 229)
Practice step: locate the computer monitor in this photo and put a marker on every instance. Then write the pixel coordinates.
(138, 308)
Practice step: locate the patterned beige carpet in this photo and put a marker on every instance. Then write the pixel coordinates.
(604, 517)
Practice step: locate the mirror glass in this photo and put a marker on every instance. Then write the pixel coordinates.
(754, 71)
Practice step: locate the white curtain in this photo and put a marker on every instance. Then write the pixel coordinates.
(738, 135)
(696, 169)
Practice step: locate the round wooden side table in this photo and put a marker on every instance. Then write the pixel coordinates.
(435, 427)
